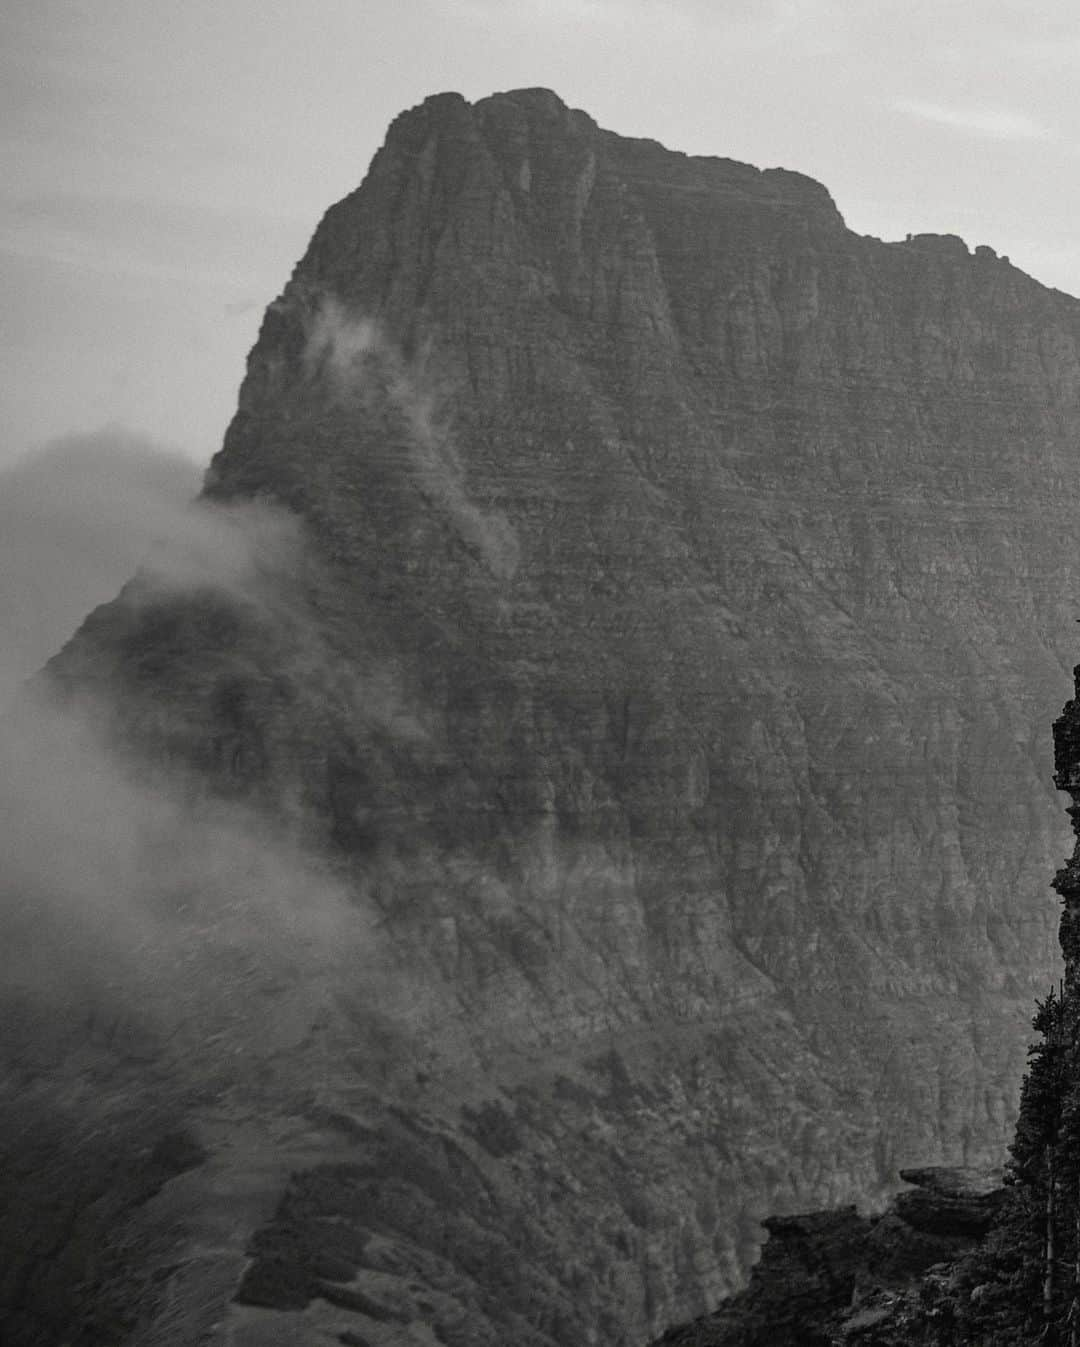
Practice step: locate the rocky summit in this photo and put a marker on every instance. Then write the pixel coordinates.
(607, 798)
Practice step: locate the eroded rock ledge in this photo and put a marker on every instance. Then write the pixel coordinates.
(827, 1278)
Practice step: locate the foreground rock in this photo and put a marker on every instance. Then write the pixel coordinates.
(834, 1277)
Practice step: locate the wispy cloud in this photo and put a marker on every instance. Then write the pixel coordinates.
(993, 123)
(147, 236)
(740, 21)
(352, 349)
(539, 12)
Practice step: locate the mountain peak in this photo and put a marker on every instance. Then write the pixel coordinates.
(655, 540)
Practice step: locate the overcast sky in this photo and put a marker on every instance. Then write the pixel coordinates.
(164, 162)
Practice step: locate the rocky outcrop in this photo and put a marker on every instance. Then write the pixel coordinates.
(832, 1277)
(656, 678)
(808, 1270)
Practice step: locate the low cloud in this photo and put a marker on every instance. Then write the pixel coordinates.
(77, 518)
(338, 341)
(80, 517)
(352, 350)
(153, 915)
(137, 909)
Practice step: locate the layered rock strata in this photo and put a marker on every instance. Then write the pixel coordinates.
(657, 676)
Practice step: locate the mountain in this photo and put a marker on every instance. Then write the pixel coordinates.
(601, 795)
(961, 1258)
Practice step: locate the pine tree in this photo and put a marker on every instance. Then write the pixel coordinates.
(1046, 1160)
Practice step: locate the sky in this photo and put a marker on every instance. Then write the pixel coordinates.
(163, 164)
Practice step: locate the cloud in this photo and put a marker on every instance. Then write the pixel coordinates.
(339, 341)
(145, 235)
(77, 518)
(143, 915)
(132, 900)
(993, 123)
(80, 517)
(357, 356)
(538, 13)
(675, 17)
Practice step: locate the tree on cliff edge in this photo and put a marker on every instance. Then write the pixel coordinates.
(1046, 1164)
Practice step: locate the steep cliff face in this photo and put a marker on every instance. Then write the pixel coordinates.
(683, 584)
(958, 1259)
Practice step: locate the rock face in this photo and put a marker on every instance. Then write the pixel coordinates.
(828, 1278)
(683, 582)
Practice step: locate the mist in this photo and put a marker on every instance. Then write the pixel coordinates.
(137, 911)
(355, 355)
(77, 518)
(158, 916)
